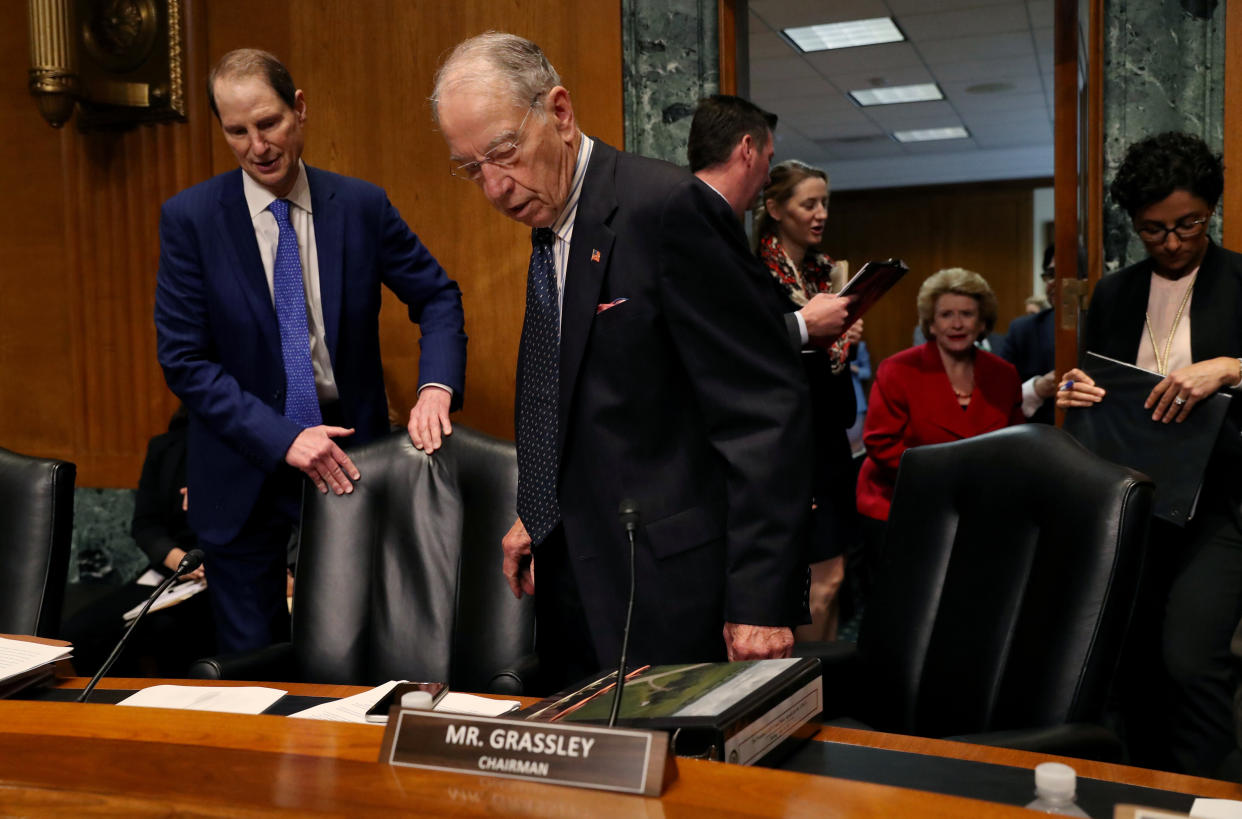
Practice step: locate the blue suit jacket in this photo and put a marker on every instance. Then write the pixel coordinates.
(219, 342)
(1030, 347)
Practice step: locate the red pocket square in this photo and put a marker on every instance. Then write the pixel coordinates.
(599, 308)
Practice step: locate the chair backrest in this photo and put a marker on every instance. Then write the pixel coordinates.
(401, 579)
(36, 524)
(1005, 587)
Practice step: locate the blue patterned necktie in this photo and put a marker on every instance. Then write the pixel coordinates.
(538, 377)
(301, 400)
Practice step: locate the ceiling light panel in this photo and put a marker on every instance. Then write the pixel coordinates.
(931, 134)
(827, 36)
(893, 95)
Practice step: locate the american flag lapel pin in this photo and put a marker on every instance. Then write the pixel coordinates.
(595, 255)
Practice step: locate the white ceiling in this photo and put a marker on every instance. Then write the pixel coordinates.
(1005, 46)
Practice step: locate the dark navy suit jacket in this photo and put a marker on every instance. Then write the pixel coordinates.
(219, 342)
(1030, 347)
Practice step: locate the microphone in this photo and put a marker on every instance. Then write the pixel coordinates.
(628, 513)
(192, 560)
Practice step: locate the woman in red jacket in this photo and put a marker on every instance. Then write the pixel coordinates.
(944, 390)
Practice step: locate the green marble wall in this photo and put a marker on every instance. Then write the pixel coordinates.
(1164, 66)
(669, 60)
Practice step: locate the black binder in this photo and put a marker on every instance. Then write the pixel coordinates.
(745, 712)
(1120, 430)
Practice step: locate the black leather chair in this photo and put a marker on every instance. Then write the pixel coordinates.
(36, 525)
(1002, 597)
(401, 579)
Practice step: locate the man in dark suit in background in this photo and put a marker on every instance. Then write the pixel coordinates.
(267, 315)
(644, 372)
(730, 149)
(1029, 345)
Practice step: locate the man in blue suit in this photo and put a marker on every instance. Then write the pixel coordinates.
(1029, 346)
(266, 312)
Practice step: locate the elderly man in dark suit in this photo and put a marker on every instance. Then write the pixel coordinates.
(267, 316)
(644, 372)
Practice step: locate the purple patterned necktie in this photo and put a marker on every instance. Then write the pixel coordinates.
(301, 400)
(538, 379)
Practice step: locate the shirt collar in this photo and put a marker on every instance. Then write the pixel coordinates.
(258, 198)
(718, 193)
(564, 224)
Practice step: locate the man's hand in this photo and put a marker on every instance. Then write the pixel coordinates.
(1175, 396)
(325, 463)
(745, 642)
(1046, 385)
(429, 419)
(824, 315)
(518, 565)
(173, 559)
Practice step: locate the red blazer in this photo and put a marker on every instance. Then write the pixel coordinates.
(912, 403)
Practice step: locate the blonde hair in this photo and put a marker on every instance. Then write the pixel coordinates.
(961, 282)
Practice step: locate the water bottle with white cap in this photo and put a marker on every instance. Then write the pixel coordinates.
(1055, 786)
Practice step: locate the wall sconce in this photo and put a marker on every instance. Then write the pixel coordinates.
(119, 62)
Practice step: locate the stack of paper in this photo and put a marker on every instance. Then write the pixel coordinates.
(25, 662)
(173, 595)
(354, 709)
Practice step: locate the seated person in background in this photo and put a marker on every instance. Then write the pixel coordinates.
(945, 390)
(1029, 346)
(1178, 313)
(166, 641)
(789, 225)
(860, 373)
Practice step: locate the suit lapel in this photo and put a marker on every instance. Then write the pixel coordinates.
(330, 246)
(1131, 313)
(1215, 290)
(590, 254)
(236, 231)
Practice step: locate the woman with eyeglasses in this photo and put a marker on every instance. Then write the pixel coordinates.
(1178, 313)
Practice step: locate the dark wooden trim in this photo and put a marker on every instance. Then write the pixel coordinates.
(1065, 197)
(727, 25)
(1232, 236)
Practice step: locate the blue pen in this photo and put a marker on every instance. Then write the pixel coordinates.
(1067, 386)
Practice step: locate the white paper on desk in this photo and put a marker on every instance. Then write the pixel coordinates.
(348, 709)
(354, 709)
(171, 596)
(19, 656)
(229, 700)
(1216, 809)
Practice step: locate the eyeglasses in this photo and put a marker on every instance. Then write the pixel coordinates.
(1187, 228)
(503, 155)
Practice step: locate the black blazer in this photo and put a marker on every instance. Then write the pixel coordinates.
(686, 398)
(1115, 328)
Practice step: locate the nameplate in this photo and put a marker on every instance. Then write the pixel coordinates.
(584, 756)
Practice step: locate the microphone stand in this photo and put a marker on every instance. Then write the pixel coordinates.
(629, 517)
(192, 560)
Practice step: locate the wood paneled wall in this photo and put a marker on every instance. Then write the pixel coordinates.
(79, 212)
(982, 227)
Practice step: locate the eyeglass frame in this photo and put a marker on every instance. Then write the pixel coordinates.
(459, 171)
(1195, 228)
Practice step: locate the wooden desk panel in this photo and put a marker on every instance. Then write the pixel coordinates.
(59, 758)
(1162, 780)
(107, 760)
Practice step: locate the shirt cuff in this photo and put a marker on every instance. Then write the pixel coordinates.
(434, 384)
(1031, 402)
(802, 332)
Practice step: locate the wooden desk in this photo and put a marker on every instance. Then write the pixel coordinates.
(99, 759)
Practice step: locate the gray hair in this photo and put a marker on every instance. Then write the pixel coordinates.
(496, 57)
